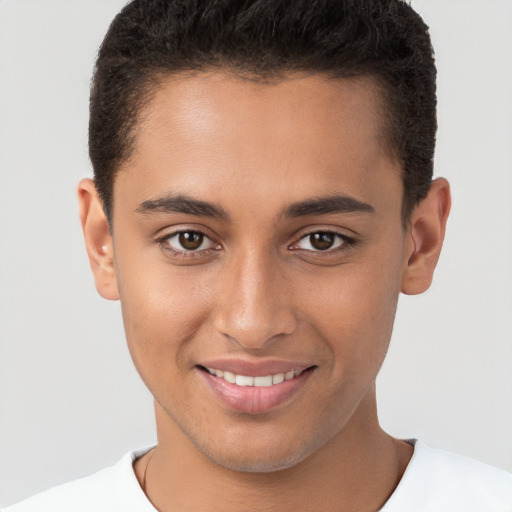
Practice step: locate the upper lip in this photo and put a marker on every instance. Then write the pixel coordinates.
(255, 368)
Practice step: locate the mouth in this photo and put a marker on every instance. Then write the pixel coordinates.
(264, 381)
(255, 394)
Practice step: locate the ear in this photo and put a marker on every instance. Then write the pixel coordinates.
(98, 240)
(425, 238)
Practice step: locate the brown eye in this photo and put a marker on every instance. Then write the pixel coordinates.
(322, 241)
(191, 240)
(188, 242)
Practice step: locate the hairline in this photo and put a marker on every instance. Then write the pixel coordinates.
(155, 79)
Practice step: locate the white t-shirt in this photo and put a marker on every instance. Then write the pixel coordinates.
(434, 481)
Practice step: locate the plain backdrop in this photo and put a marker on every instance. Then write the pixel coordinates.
(70, 401)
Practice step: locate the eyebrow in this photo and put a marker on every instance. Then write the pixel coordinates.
(317, 206)
(182, 204)
(328, 205)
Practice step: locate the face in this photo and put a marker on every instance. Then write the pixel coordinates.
(259, 253)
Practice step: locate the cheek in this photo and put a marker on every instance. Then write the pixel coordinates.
(353, 311)
(162, 309)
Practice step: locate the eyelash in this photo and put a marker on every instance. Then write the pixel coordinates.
(184, 253)
(345, 243)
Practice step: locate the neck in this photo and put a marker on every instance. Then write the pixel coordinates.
(357, 470)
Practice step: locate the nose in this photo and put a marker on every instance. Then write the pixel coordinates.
(254, 306)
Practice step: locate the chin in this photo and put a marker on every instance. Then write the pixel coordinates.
(266, 456)
(242, 463)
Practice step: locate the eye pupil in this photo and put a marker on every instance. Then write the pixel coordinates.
(322, 241)
(191, 240)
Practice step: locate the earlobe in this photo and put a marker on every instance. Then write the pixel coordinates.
(98, 240)
(425, 238)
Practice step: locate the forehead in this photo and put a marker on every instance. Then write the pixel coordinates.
(212, 133)
(196, 105)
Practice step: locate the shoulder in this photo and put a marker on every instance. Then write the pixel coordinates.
(111, 489)
(437, 480)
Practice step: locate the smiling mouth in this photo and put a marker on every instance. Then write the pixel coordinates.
(256, 388)
(258, 382)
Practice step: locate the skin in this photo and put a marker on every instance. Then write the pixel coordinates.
(258, 289)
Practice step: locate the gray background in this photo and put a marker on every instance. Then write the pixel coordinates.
(70, 401)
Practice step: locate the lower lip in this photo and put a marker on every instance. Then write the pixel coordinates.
(252, 399)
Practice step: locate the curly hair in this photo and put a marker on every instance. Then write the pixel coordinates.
(264, 39)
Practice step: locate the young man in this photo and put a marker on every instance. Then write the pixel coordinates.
(263, 192)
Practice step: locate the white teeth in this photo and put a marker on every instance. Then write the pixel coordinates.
(263, 381)
(246, 380)
(230, 377)
(278, 378)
